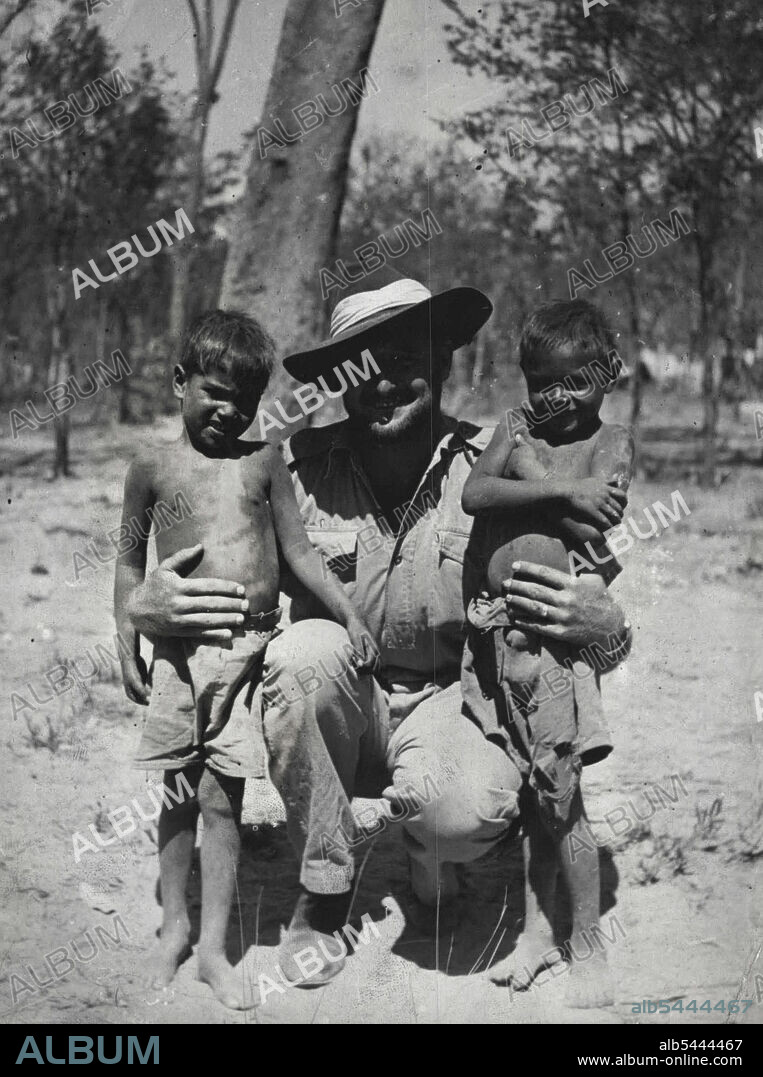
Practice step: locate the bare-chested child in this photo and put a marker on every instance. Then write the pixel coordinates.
(199, 724)
(540, 495)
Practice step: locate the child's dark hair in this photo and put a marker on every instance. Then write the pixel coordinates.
(575, 325)
(230, 343)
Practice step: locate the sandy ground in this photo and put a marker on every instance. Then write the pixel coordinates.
(681, 900)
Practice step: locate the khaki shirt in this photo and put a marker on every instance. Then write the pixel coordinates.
(404, 575)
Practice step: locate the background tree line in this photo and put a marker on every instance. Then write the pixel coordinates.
(517, 211)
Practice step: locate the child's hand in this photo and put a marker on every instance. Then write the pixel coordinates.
(598, 500)
(365, 646)
(135, 678)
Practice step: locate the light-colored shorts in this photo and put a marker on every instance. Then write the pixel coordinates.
(539, 699)
(203, 708)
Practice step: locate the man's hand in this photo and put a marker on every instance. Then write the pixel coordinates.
(598, 501)
(167, 604)
(576, 610)
(365, 646)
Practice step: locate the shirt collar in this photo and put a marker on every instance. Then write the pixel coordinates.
(460, 433)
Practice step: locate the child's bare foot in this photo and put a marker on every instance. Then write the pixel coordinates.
(590, 984)
(171, 951)
(227, 984)
(534, 952)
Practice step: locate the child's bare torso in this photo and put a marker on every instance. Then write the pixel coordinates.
(231, 517)
(530, 536)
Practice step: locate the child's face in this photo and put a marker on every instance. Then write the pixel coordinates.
(563, 392)
(215, 410)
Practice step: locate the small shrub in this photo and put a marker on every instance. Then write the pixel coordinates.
(663, 858)
(709, 823)
(748, 845)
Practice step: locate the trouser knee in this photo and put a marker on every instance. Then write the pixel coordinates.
(306, 665)
(458, 827)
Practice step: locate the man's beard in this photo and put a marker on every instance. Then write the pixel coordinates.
(416, 417)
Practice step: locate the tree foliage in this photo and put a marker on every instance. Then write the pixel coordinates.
(679, 138)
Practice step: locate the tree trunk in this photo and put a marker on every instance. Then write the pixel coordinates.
(634, 320)
(635, 326)
(61, 426)
(210, 59)
(59, 369)
(709, 389)
(634, 305)
(287, 223)
(735, 342)
(183, 254)
(124, 408)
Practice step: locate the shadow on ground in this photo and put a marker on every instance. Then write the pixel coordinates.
(491, 906)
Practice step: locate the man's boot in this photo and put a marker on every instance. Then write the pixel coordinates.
(313, 950)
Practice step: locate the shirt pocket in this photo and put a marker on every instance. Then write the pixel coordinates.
(339, 549)
(446, 606)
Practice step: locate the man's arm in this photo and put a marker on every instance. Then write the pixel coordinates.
(307, 565)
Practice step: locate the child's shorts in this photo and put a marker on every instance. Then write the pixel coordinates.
(539, 700)
(203, 707)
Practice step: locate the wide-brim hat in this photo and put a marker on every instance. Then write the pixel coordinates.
(400, 304)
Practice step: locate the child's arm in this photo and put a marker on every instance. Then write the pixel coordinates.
(139, 497)
(614, 455)
(307, 565)
(613, 460)
(486, 488)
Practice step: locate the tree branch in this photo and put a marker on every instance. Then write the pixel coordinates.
(198, 33)
(8, 18)
(224, 42)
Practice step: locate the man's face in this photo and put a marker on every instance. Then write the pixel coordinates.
(406, 393)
